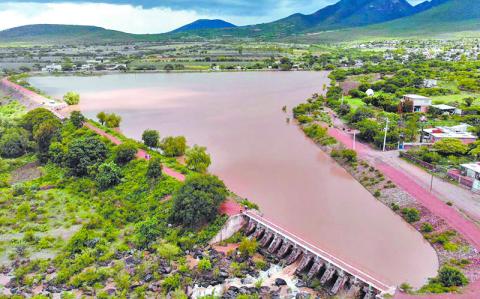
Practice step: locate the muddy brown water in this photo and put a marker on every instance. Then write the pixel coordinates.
(239, 118)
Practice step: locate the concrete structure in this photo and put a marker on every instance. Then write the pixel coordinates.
(52, 68)
(460, 132)
(420, 103)
(430, 83)
(334, 274)
(472, 171)
(370, 92)
(446, 109)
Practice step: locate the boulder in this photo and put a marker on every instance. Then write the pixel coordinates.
(280, 282)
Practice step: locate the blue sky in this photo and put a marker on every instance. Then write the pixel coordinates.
(150, 16)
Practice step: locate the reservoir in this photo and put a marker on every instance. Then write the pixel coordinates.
(260, 156)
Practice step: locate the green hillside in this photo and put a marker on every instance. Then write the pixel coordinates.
(454, 17)
(49, 33)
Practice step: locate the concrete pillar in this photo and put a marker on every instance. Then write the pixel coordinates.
(294, 256)
(328, 274)
(258, 232)
(307, 259)
(339, 283)
(267, 237)
(315, 269)
(275, 245)
(369, 292)
(251, 227)
(283, 250)
(355, 288)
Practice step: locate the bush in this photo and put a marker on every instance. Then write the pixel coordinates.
(344, 109)
(450, 146)
(450, 276)
(204, 264)
(71, 98)
(82, 154)
(154, 170)
(125, 153)
(113, 120)
(174, 146)
(172, 282)
(56, 153)
(14, 143)
(108, 175)
(198, 159)
(197, 201)
(77, 119)
(248, 247)
(411, 215)
(368, 128)
(147, 231)
(168, 251)
(427, 228)
(151, 138)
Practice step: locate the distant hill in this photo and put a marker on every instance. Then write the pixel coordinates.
(446, 18)
(345, 20)
(204, 24)
(47, 33)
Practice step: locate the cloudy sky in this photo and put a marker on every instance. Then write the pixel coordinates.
(149, 16)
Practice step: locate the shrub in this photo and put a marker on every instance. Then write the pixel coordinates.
(198, 159)
(154, 170)
(174, 146)
(113, 120)
(204, 264)
(14, 143)
(77, 119)
(172, 282)
(411, 215)
(197, 201)
(427, 227)
(57, 153)
(168, 251)
(450, 146)
(450, 276)
(248, 247)
(71, 98)
(125, 152)
(108, 175)
(84, 153)
(147, 231)
(151, 138)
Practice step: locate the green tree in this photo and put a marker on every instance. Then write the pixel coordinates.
(71, 98)
(469, 101)
(14, 143)
(57, 152)
(44, 134)
(198, 159)
(125, 152)
(174, 146)
(82, 154)
(360, 114)
(151, 138)
(102, 117)
(108, 175)
(197, 201)
(168, 251)
(450, 146)
(36, 117)
(204, 265)
(451, 277)
(113, 120)
(77, 119)
(154, 170)
(368, 129)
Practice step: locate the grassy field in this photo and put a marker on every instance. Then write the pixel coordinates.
(458, 98)
(355, 103)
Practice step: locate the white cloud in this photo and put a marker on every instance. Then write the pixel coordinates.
(128, 18)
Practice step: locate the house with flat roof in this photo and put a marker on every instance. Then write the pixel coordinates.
(420, 103)
(472, 171)
(460, 132)
(446, 109)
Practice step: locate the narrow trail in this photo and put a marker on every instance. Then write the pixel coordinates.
(230, 207)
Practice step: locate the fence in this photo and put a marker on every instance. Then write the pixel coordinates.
(424, 164)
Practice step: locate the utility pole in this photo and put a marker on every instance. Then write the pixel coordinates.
(354, 140)
(387, 121)
(342, 99)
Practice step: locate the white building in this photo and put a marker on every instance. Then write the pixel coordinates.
(420, 103)
(472, 170)
(52, 68)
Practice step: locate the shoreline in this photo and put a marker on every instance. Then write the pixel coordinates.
(393, 195)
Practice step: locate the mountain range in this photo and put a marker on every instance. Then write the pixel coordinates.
(347, 19)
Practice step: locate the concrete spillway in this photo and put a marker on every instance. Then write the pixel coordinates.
(334, 274)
